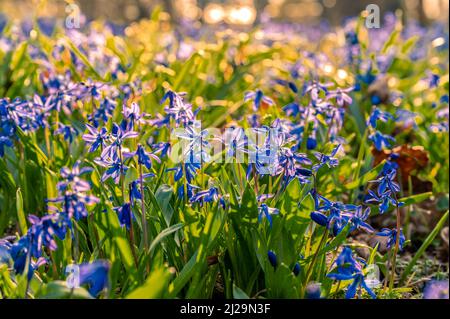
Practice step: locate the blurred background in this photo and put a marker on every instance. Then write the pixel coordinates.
(232, 12)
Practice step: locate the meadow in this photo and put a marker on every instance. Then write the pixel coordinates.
(157, 160)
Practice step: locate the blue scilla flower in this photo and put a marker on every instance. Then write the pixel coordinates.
(115, 168)
(334, 222)
(263, 160)
(125, 215)
(19, 253)
(390, 167)
(180, 111)
(118, 136)
(95, 275)
(43, 230)
(314, 88)
(144, 158)
(323, 204)
(358, 219)
(5, 141)
(292, 109)
(75, 204)
(288, 161)
(272, 258)
(406, 117)
(103, 112)
(341, 96)
(235, 142)
(95, 137)
(435, 127)
(267, 212)
(351, 38)
(135, 192)
(189, 170)
(311, 141)
(291, 85)
(5, 247)
(197, 146)
(190, 190)
(67, 131)
(73, 192)
(208, 196)
(379, 115)
(391, 234)
(71, 179)
(296, 269)
(380, 140)
(433, 80)
(386, 183)
(161, 148)
(257, 97)
(367, 78)
(382, 200)
(348, 268)
(131, 116)
(329, 160)
(173, 97)
(338, 213)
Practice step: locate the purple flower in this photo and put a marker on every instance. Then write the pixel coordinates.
(348, 268)
(235, 142)
(328, 160)
(72, 178)
(115, 168)
(95, 275)
(135, 192)
(358, 219)
(392, 237)
(131, 116)
(257, 97)
(118, 136)
(180, 111)
(267, 212)
(381, 140)
(436, 290)
(314, 89)
(125, 215)
(378, 115)
(144, 158)
(67, 131)
(190, 170)
(272, 258)
(208, 196)
(341, 96)
(95, 137)
(4, 141)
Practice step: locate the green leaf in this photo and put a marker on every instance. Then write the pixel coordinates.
(166, 232)
(58, 290)
(391, 41)
(415, 199)
(154, 287)
(369, 176)
(18, 55)
(20, 213)
(163, 196)
(131, 175)
(238, 293)
(184, 276)
(424, 246)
